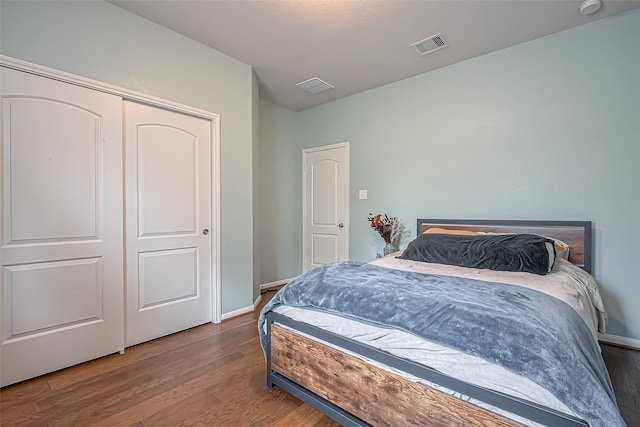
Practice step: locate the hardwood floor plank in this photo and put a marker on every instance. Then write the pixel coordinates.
(632, 361)
(145, 351)
(171, 397)
(215, 384)
(99, 397)
(303, 415)
(160, 383)
(179, 413)
(94, 388)
(20, 404)
(95, 407)
(624, 371)
(21, 414)
(104, 395)
(325, 422)
(248, 409)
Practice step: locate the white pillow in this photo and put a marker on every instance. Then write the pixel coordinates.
(562, 249)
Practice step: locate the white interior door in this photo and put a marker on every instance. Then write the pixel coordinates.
(326, 205)
(168, 219)
(61, 285)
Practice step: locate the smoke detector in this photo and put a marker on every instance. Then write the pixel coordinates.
(590, 6)
(430, 44)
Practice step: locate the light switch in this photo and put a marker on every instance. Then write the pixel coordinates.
(362, 195)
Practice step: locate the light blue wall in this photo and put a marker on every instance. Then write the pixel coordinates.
(103, 42)
(280, 188)
(549, 129)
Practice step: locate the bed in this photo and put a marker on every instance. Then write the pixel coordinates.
(402, 341)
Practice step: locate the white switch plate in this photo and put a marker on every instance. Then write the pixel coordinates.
(362, 195)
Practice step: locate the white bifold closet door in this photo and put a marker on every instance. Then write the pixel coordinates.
(61, 284)
(168, 222)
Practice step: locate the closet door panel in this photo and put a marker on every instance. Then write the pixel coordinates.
(168, 222)
(61, 142)
(63, 293)
(167, 180)
(61, 287)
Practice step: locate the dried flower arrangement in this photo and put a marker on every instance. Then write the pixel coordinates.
(389, 228)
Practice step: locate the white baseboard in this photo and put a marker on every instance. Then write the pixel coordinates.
(274, 284)
(618, 340)
(251, 308)
(256, 302)
(244, 310)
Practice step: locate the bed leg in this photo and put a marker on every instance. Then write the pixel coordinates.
(268, 354)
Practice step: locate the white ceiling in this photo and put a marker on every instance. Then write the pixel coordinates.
(358, 45)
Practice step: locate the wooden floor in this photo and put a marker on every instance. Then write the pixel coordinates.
(624, 369)
(212, 375)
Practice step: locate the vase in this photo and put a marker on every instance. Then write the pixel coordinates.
(390, 248)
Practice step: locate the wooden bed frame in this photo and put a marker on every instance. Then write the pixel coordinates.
(356, 393)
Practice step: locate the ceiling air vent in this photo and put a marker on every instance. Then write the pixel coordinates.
(314, 85)
(430, 44)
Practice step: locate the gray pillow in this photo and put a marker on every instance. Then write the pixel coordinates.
(505, 252)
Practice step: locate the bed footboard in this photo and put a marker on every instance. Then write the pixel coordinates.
(354, 392)
(377, 397)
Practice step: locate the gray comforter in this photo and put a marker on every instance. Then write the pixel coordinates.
(526, 331)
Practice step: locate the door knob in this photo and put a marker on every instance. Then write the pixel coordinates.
(205, 231)
(341, 225)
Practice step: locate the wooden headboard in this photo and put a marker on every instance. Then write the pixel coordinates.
(577, 234)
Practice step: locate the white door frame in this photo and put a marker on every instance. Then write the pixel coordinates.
(216, 274)
(305, 231)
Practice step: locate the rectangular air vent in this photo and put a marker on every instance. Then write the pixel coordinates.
(430, 44)
(314, 85)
